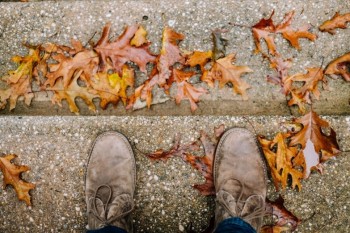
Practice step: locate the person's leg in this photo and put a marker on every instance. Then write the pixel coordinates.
(110, 184)
(240, 183)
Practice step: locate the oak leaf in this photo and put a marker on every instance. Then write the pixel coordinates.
(340, 66)
(317, 146)
(185, 90)
(111, 87)
(265, 29)
(283, 161)
(71, 92)
(281, 66)
(225, 72)
(11, 173)
(66, 67)
(337, 21)
(204, 164)
(116, 53)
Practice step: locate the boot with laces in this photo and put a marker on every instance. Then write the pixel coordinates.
(239, 178)
(110, 182)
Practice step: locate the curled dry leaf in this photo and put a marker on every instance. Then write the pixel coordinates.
(337, 21)
(284, 161)
(116, 53)
(11, 173)
(340, 66)
(265, 29)
(281, 66)
(286, 220)
(317, 147)
(225, 72)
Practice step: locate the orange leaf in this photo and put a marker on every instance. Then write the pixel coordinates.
(11, 173)
(340, 66)
(226, 72)
(317, 146)
(116, 53)
(265, 29)
(185, 90)
(111, 87)
(283, 161)
(140, 37)
(71, 92)
(337, 21)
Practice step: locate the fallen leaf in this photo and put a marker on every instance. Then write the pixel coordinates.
(116, 53)
(340, 66)
(265, 29)
(71, 92)
(337, 21)
(225, 72)
(286, 220)
(140, 37)
(21, 88)
(281, 66)
(66, 67)
(185, 90)
(316, 145)
(204, 164)
(297, 98)
(11, 176)
(177, 150)
(284, 161)
(199, 58)
(111, 87)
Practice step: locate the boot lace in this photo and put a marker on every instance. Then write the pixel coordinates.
(257, 213)
(104, 219)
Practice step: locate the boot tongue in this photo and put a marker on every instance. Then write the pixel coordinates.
(119, 206)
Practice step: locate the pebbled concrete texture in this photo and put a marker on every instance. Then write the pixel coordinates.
(56, 149)
(59, 21)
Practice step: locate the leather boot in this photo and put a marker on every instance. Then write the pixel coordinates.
(239, 178)
(110, 182)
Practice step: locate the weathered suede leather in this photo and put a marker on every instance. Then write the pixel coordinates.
(110, 182)
(239, 178)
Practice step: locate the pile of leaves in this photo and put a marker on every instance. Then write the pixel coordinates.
(105, 70)
(299, 87)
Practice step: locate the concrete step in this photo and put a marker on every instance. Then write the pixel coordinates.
(59, 21)
(56, 149)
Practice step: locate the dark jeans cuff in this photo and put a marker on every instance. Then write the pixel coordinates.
(234, 225)
(108, 229)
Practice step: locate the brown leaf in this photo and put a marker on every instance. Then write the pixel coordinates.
(226, 72)
(340, 66)
(265, 29)
(116, 53)
(71, 92)
(199, 58)
(177, 150)
(219, 50)
(204, 164)
(185, 90)
(21, 88)
(283, 161)
(66, 67)
(337, 21)
(297, 98)
(286, 220)
(11, 173)
(316, 145)
(281, 66)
